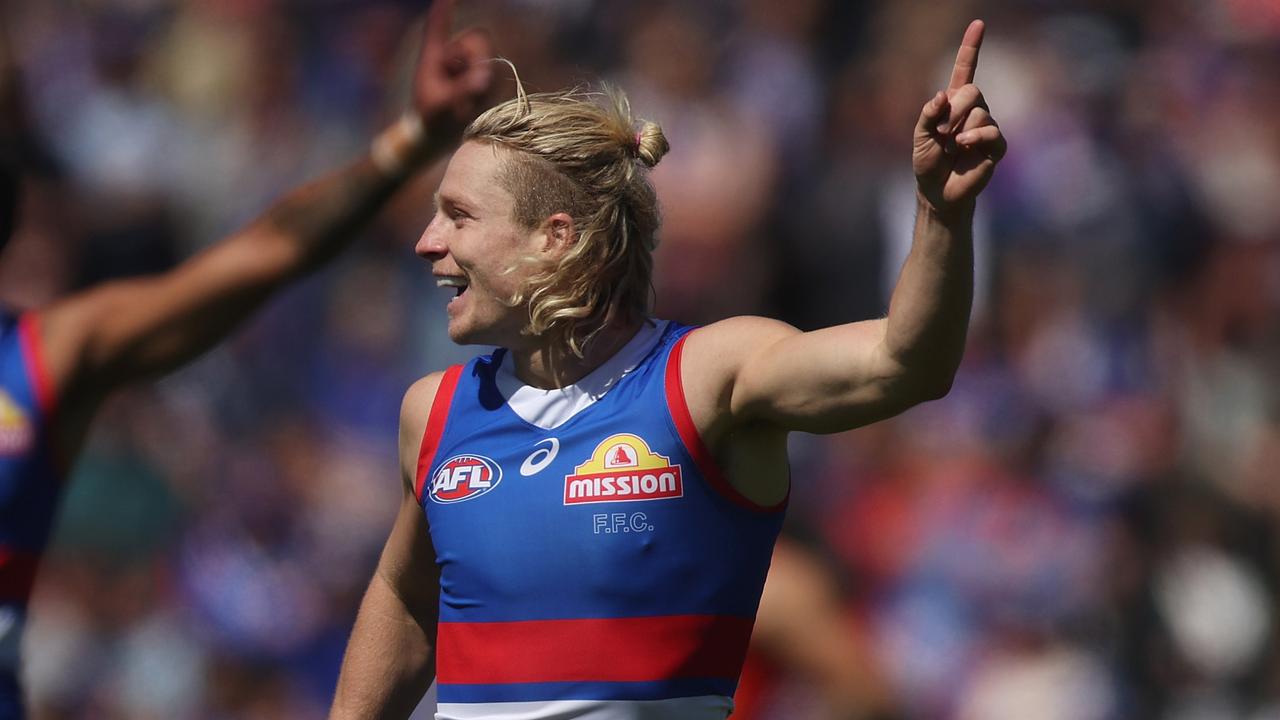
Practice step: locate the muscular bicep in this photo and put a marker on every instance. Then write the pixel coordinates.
(768, 372)
(827, 380)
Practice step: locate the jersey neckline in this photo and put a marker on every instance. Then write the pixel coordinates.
(549, 409)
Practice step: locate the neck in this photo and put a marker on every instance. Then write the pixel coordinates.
(547, 366)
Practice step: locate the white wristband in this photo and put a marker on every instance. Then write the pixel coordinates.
(397, 148)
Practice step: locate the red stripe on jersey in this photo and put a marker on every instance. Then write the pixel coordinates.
(435, 426)
(642, 649)
(703, 458)
(17, 574)
(33, 354)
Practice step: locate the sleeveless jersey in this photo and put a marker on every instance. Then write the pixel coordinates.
(29, 486)
(594, 563)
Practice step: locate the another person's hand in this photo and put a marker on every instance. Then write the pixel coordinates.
(957, 142)
(453, 76)
(451, 84)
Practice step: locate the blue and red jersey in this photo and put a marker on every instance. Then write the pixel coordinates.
(29, 486)
(594, 561)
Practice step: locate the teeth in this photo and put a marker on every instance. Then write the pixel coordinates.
(451, 281)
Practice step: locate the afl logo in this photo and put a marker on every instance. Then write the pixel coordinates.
(463, 477)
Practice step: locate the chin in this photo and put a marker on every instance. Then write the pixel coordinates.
(463, 334)
(460, 336)
(496, 334)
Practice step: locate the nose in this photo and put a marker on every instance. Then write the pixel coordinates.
(431, 246)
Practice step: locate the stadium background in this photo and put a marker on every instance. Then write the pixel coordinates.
(1085, 528)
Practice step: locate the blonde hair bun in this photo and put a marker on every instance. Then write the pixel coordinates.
(651, 144)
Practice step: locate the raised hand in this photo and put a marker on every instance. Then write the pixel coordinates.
(957, 142)
(453, 76)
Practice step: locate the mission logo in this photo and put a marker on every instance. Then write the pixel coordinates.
(622, 469)
(15, 429)
(463, 477)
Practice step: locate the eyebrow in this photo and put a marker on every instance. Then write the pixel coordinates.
(452, 201)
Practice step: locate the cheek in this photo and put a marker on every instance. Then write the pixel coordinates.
(507, 262)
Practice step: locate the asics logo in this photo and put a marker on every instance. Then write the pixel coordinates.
(539, 459)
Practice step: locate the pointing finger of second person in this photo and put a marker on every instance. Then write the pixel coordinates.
(439, 22)
(470, 48)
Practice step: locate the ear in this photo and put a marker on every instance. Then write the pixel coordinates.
(559, 234)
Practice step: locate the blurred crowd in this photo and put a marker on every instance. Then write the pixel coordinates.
(1084, 529)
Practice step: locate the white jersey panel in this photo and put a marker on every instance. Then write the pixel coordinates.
(707, 707)
(550, 409)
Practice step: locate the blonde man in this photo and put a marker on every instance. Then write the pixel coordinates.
(589, 511)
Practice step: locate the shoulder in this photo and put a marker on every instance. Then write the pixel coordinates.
(713, 359)
(741, 335)
(415, 410)
(53, 335)
(721, 349)
(416, 405)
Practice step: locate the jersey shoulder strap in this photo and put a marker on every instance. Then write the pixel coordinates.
(435, 426)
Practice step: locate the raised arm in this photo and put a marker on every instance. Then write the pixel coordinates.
(121, 331)
(763, 372)
(390, 659)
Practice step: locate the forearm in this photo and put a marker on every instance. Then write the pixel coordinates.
(929, 311)
(314, 222)
(839, 378)
(147, 326)
(390, 660)
(452, 78)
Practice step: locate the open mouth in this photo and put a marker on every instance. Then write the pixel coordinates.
(457, 282)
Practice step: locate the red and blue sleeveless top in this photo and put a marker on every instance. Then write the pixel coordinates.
(30, 483)
(594, 561)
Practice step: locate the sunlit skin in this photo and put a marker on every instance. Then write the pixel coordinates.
(474, 237)
(747, 381)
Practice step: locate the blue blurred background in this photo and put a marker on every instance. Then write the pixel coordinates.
(1084, 528)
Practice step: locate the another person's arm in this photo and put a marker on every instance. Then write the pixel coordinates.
(802, 627)
(390, 659)
(758, 372)
(120, 331)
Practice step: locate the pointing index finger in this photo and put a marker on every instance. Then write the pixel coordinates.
(967, 57)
